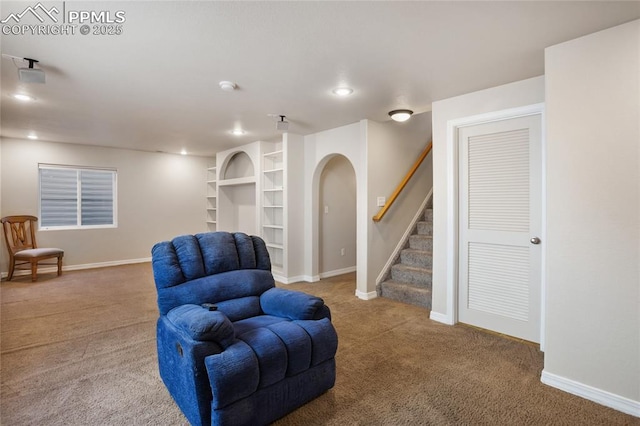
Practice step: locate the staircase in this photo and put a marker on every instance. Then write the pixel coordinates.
(409, 280)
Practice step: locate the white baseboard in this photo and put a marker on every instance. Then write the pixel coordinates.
(54, 269)
(366, 296)
(600, 396)
(306, 278)
(437, 316)
(337, 272)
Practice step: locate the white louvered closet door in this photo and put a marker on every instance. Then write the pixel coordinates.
(500, 212)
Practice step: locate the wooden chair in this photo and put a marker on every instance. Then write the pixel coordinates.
(20, 236)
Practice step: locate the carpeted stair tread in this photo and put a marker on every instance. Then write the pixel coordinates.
(428, 215)
(425, 228)
(421, 242)
(406, 293)
(409, 280)
(411, 274)
(415, 257)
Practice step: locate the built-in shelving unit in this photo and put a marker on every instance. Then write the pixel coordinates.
(212, 199)
(273, 197)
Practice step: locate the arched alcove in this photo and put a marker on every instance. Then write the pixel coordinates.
(237, 194)
(337, 217)
(335, 230)
(237, 165)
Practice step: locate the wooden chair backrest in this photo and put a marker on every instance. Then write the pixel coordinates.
(19, 232)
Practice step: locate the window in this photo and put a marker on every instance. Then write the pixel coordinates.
(74, 197)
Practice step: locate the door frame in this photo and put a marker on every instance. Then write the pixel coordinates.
(453, 161)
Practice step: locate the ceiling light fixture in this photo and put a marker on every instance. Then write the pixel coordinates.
(228, 86)
(23, 97)
(32, 136)
(238, 132)
(400, 114)
(183, 152)
(342, 91)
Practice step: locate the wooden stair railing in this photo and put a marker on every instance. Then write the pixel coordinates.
(402, 184)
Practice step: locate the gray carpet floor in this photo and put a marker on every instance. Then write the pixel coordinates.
(80, 350)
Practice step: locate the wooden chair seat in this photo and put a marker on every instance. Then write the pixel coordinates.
(19, 234)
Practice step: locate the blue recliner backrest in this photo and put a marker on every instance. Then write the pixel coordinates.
(228, 269)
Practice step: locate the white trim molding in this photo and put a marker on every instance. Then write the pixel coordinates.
(451, 315)
(599, 396)
(439, 317)
(366, 296)
(337, 272)
(53, 269)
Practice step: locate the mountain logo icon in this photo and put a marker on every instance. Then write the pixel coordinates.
(38, 11)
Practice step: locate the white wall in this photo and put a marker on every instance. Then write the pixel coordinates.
(593, 216)
(160, 196)
(293, 146)
(337, 213)
(513, 95)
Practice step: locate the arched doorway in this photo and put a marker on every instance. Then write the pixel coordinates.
(336, 209)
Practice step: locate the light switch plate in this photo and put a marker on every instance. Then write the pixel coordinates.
(381, 201)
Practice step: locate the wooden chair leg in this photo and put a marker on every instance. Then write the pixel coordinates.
(34, 270)
(59, 265)
(12, 265)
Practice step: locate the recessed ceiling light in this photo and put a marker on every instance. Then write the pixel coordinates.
(342, 91)
(228, 86)
(238, 132)
(183, 152)
(32, 136)
(401, 114)
(23, 97)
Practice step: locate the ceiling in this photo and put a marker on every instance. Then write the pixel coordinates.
(154, 87)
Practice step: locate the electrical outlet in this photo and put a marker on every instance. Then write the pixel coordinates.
(342, 252)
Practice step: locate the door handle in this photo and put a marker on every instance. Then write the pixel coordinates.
(535, 240)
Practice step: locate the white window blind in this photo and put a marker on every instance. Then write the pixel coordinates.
(72, 197)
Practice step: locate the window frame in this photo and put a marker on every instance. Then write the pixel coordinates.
(78, 170)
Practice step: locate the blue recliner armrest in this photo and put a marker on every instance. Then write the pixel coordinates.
(293, 304)
(202, 324)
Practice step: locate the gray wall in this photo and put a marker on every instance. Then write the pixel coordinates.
(160, 196)
(593, 211)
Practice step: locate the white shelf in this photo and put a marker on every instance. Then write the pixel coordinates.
(273, 171)
(212, 199)
(237, 181)
(273, 192)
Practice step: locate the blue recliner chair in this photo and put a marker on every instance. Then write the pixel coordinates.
(232, 348)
